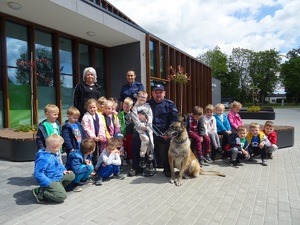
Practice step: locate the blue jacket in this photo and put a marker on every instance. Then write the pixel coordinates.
(41, 134)
(69, 136)
(225, 126)
(164, 113)
(47, 168)
(75, 160)
(131, 91)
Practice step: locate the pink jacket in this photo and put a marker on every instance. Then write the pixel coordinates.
(87, 123)
(234, 120)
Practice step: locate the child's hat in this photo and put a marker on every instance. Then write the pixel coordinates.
(118, 135)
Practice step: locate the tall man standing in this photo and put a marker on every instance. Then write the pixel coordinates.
(164, 114)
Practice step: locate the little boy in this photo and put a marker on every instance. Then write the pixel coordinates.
(120, 138)
(272, 137)
(48, 126)
(238, 147)
(197, 134)
(127, 126)
(72, 131)
(80, 162)
(51, 175)
(258, 142)
(142, 117)
(109, 162)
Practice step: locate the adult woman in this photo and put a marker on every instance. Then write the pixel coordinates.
(131, 88)
(86, 90)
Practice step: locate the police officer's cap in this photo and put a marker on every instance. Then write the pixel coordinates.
(158, 87)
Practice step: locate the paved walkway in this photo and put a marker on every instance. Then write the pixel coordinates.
(251, 194)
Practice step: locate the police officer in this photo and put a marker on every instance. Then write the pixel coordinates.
(164, 113)
(131, 88)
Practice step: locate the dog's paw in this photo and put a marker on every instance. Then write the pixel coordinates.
(172, 181)
(177, 182)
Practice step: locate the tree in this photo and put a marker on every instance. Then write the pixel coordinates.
(264, 68)
(290, 74)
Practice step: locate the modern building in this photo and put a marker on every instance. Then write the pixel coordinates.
(46, 44)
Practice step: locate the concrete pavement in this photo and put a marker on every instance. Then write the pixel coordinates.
(250, 194)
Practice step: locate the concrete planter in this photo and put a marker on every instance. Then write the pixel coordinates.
(17, 146)
(261, 115)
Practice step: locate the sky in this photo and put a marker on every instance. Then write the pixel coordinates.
(196, 26)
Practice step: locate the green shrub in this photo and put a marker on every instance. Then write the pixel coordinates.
(254, 108)
(26, 128)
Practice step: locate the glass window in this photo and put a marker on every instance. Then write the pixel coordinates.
(19, 88)
(100, 69)
(163, 62)
(44, 71)
(66, 75)
(84, 59)
(153, 69)
(1, 85)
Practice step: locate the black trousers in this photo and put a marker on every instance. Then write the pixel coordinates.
(258, 151)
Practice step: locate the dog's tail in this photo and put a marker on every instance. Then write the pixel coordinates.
(215, 173)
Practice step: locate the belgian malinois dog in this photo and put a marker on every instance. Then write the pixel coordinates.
(181, 156)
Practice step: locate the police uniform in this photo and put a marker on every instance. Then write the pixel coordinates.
(131, 90)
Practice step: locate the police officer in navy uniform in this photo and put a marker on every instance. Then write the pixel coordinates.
(164, 114)
(131, 88)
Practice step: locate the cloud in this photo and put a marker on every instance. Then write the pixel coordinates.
(196, 26)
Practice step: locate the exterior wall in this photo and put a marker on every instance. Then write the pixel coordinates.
(216, 91)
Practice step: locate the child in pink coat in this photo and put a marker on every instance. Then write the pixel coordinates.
(234, 116)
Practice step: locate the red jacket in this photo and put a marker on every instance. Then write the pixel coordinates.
(272, 137)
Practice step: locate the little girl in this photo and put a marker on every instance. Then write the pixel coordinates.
(234, 116)
(211, 127)
(93, 126)
(223, 126)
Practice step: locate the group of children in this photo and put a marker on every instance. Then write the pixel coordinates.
(237, 143)
(98, 145)
(102, 141)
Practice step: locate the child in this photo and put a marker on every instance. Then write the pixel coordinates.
(109, 162)
(142, 115)
(101, 103)
(127, 126)
(116, 104)
(223, 126)
(51, 175)
(234, 116)
(80, 162)
(48, 126)
(238, 147)
(120, 138)
(72, 131)
(258, 142)
(110, 120)
(93, 126)
(272, 137)
(211, 127)
(197, 133)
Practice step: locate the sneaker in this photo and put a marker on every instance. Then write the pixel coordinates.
(220, 150)
(134, 172)
(119, 176)
(251, 158)
(264, 162)
(38, 194)
(233, 164)
(142, 163)
(124, 163)
(87, 181)
(270, 155)
(207, 159)
(151, 169)
(77, 189)
(201, 160)
(98, 181)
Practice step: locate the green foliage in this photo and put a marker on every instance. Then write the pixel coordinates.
(253, 108)
(26, 128)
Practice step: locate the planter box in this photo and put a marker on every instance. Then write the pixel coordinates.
(261, 115)
(17, 146)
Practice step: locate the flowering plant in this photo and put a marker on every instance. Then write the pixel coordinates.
(178, 75)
